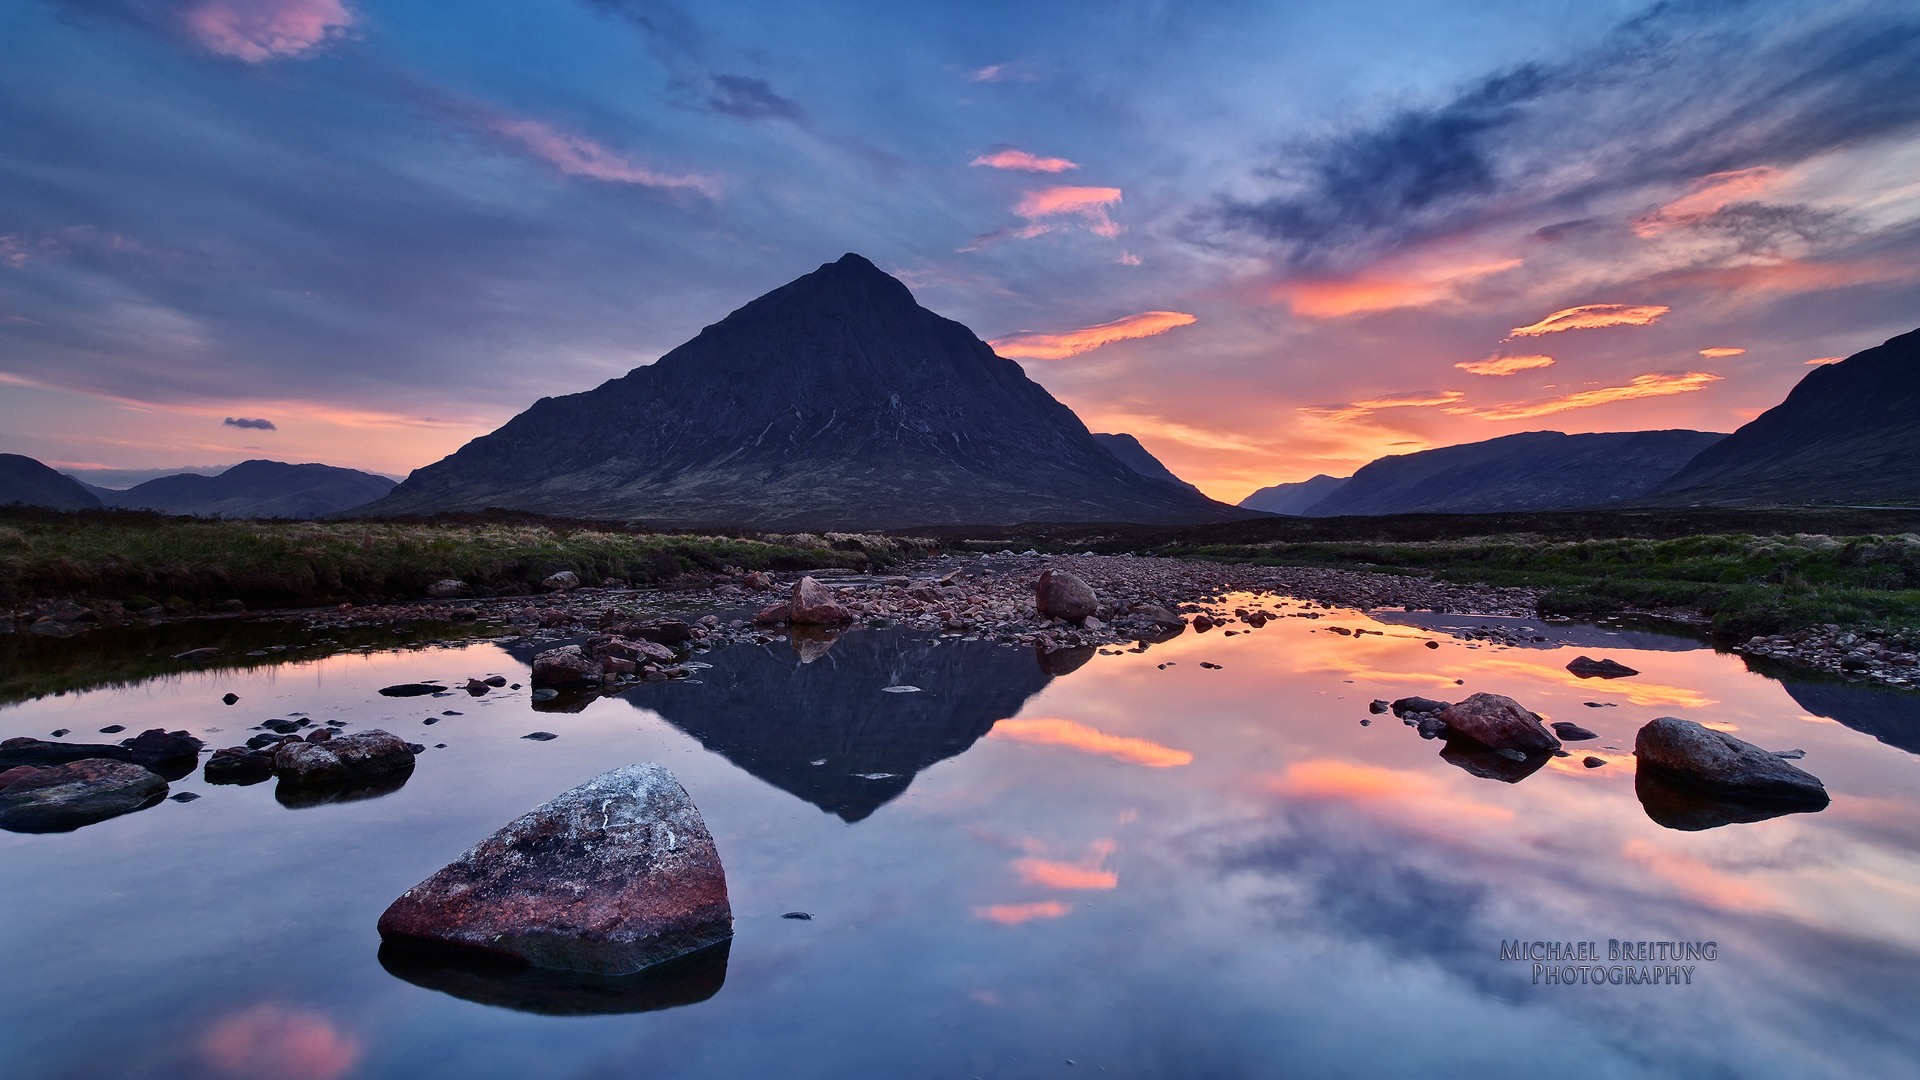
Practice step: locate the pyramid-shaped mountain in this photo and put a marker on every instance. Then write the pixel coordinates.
(834, 401)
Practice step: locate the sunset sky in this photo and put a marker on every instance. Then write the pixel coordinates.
(1269, 239)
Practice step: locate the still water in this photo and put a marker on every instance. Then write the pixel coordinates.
(1136, 866)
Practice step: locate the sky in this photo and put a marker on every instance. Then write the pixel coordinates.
(1270, 239)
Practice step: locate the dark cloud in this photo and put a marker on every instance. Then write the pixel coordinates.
(1681, 91)
(248, 422)
(751, 99)
(683, 48)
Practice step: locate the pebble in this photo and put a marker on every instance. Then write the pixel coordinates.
(540, 736)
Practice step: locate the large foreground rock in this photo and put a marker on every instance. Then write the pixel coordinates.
(1060, 595)
(813, 604)
(341, 758)
(1498, 722)
(1714, 760)
(612, 877)
(78, 793)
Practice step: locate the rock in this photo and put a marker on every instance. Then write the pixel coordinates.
(230, 699)
(1587, 667)
(66, 797)
(545, 694)
(639, 651)
(1378, 706)
(1674, 803)
(238, 765)
(412, 689)
(540, 736)
(1433, 644)
(1060, 595)
(1409, 705)
(113, 729)
(1718, 762)
(804, 916)
(348, 757)
(156, 746)
(813, 604)
(478, 687)
(612, 877)
(757, 580)
(185, 796)
(1498, 722)
(18, 772)
(497, 681)
(1202, 623)
(40, 753)
(447, 588)
(1156, 615)
(772, 614)
(1570, 732)
(561, 581)
(206, 652)
(1487, 764)
(566, 666)
(1592, 762)
(665, 632)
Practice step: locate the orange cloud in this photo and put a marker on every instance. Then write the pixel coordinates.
(1038, 346)
(1015, 914)
(1090, 203)
(1504, 365)
(1718, 353)
(1088, 873)
(1696, 878)
(1789, 275)
(1382, 290)
(1818, 360)
(578, 156)
(272, 1042)
(1593, 316)
(1053, 731)
(1641, 386)
(255, 31)
(1373, 786)
(1355, 410)
(1706, 197)
(1021, 161)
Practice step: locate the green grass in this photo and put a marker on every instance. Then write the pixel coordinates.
(184, 562)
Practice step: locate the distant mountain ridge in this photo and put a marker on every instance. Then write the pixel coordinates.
(1296, 498)
(1847, 433)
(25, 481)
(257, 488)
(1138, 458)
(1533, 470)
(834, 401)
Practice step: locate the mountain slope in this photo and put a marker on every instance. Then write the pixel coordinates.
(1534, 470)
(834, 401)
(257, 488)
(1847, 433)
(27, 482)
(1138, 458)
(1295, 499)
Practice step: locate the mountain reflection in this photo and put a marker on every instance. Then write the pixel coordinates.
(1892, 716)
(818, 725)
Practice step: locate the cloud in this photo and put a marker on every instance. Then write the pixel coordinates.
(274, 1042)
(1718, 353)
(1504, 365)
(1090, 203)
(1058, 346)
(1355, 410)
(687, 52)
(994, 73)
(1593, 316)
(1128, 258)
(1641, 386)
(1384, 289)
(1053, 731)
(1819, 360)
(255, 31)
(1015, 914)
(245, 422)
(1021, 161)
(1088, 873)
(1708, 196)
(750, 99)
(576, 155)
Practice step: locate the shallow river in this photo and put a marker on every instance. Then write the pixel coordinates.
(1138, 866)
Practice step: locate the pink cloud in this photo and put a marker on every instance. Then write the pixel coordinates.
(575, 155)
(1059, 346)
(1593, 316)
(1819, 360)
(1355, 410)
(1707, 196)
(1386, 288)
(1640, 386)
(1021, 161)
(1504, 365)
(1721, 353)
(273, 1042)
(255, 31)
(1090, 203)
(1015, 914)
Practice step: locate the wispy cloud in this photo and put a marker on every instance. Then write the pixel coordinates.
(1719, 353)
(1504, 365)
(255, 31)
(1708, 196)
(1384, 288)
(1355, 410)
(1029, 345)
(1820, 360)
(1054, 731)
(250, 422)
(1022, 161)
(1015, 914)
(750, 99)
(1593, 316)
(994, 73)
(1641, 386)
(576, 155)
(1088, 203)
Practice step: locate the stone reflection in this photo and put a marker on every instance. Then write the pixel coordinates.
(299, 796)
(1506, 766)
(810, 643)
(1674, 804)
(822, 729)
(477, 977)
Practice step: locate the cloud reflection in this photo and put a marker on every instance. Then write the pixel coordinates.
(277, 1042)
(1055, 731)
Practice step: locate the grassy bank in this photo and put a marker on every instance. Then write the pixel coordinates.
(140, 559)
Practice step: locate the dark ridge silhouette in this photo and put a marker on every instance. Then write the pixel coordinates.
(26, 482)
(1138, 458)
(257, 488)
(1295, 499)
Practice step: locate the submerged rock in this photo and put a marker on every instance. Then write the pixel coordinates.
(1060, 595)
(1587, 667)
(611, 877)
(813, 604)
(349, 757)
(65, 797)
(1498, 722)
(1716, 761)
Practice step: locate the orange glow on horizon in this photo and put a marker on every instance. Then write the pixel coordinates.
(1055, 731)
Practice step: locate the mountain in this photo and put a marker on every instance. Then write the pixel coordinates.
(834, 401)
(1848, 433)
(1136, 457)
(1534, 470)
(258, 488)
(1295, 499)
(27, 482)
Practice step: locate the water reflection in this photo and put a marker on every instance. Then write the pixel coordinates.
(823, 729)
(1674, 804)
(684, 980)
(299, 796)
(1892, 716)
